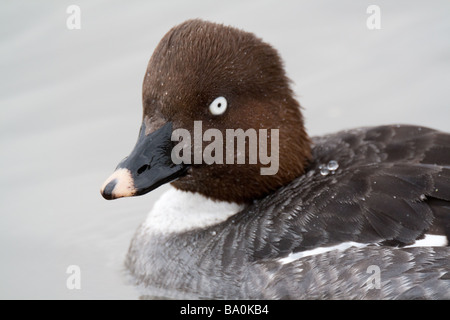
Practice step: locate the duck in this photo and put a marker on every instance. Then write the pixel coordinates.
(363, 213)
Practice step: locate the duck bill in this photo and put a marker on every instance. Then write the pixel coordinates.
(147, 167)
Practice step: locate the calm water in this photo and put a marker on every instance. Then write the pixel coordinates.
(70, 110)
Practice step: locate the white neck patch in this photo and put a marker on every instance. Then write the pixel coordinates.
(179, 211)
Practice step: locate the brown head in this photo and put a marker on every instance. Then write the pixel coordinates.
(227, 79)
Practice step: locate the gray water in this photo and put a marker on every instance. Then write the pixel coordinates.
(70, 110)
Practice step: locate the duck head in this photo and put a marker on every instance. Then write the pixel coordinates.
(221, 78)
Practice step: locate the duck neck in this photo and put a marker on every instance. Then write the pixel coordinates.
(178, 211)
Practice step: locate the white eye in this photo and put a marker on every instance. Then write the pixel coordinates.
(218, 106)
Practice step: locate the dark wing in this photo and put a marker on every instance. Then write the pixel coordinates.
(378, 273)
(392, 186)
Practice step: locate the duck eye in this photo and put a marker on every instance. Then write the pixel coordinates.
(218, 106)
